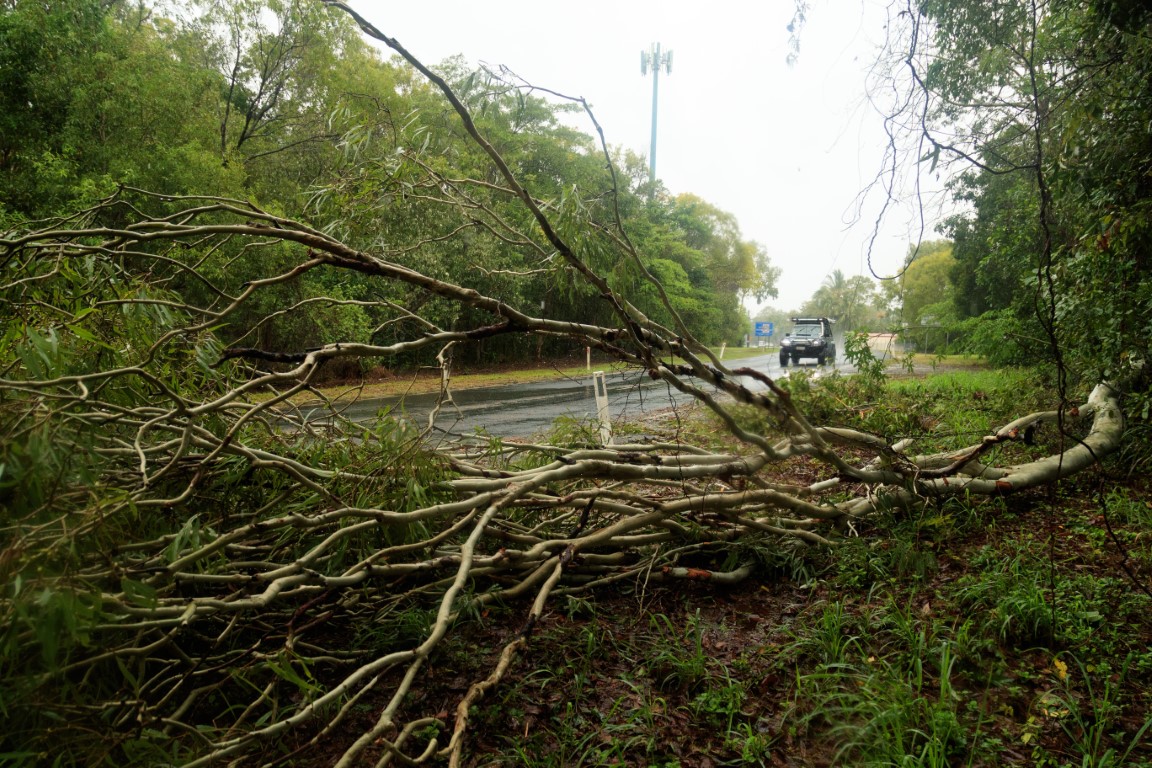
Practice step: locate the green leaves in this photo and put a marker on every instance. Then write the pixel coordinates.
(1049, 109)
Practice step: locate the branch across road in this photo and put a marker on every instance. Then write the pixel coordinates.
(521, 410)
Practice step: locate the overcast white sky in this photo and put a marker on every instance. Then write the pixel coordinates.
(785, 149)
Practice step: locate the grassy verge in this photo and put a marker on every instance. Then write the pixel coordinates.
(428, 380)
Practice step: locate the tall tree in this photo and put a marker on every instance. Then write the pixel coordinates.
(44, 52)
(925, 281)
(1047, 105)
(263, 50)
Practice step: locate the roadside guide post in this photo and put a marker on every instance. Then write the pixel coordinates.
(602, 414)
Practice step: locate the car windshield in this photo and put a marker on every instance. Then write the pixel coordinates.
(807, 331)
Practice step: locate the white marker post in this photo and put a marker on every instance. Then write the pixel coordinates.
(602, 415)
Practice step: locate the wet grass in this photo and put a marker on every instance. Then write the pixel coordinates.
(380, 382)
(383, 383)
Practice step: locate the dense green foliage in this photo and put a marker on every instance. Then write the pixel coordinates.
(1047, 109)
(282, 102)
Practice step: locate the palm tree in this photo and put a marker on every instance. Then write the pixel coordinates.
(844, 299)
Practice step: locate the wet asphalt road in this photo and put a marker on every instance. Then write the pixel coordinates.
(521, 410)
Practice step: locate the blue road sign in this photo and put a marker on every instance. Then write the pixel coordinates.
(764, 329)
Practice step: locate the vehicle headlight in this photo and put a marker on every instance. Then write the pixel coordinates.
(786, 343)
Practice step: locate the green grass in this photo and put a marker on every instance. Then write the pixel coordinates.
(428, 380)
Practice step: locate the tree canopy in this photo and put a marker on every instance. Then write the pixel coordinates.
(1042, 110)
(284, 103)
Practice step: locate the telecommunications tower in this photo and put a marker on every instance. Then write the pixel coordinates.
(654, 60)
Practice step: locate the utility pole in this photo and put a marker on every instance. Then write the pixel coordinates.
(654, 60)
